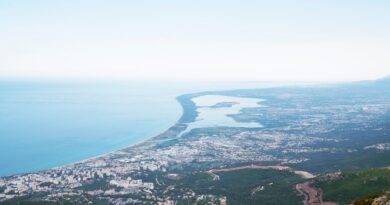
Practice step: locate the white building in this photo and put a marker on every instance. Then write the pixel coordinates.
(148, 185)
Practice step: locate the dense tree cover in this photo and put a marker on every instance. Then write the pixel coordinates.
(248, 186)
(355, 184)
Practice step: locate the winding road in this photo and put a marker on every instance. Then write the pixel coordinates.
(312, 195)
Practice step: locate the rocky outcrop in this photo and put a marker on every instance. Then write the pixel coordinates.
(382, 200)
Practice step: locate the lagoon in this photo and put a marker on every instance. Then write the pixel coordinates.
(44, 124)
(214, 111)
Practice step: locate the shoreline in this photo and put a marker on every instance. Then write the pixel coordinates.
(188, 114)
(180, 99)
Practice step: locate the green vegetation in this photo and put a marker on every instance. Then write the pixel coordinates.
(65, 200)
(331, 162)
(19, 202)
(352, 185)
(247, 186)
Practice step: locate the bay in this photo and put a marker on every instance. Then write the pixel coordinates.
(44, 124)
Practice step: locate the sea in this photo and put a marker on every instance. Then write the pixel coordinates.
(49, 123)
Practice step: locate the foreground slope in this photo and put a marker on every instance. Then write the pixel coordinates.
(354, 185)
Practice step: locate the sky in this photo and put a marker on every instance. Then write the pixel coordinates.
(278, 40)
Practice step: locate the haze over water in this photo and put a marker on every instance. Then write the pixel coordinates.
(48, 124)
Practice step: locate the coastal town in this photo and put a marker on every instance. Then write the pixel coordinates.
(152, 172)
(202, 102)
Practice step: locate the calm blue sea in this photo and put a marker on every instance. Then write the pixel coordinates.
(47, 124)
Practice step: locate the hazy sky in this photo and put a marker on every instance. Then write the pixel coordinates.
(202, 39)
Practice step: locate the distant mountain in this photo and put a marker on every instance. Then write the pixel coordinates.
(386, 77)
(384, 80)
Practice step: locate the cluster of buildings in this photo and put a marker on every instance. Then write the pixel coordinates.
(70, 179)
(380, 146)
(120, 173)
(119, 170)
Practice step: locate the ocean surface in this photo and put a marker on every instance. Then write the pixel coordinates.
(44, 124)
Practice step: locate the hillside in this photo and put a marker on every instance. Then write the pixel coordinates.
(361, 186)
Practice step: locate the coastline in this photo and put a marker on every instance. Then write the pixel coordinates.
(188, 114)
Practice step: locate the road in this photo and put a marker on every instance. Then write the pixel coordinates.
(312, 196)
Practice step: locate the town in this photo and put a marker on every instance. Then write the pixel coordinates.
(295, 135)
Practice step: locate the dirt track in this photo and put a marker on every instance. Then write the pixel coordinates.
(312, 196)
(251, 167)
(303, 174)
